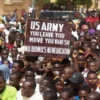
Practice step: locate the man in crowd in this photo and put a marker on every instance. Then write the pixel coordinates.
(6, 92)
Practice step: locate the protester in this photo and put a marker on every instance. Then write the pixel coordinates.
(15, 79)
(84, 92)
(93, 96)
(50, 95)
(27, 91)
(6, 92)
(66, 94)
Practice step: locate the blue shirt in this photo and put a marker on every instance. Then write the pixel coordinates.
(5, 71)
(77, 98)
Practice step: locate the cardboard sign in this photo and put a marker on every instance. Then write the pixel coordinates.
(47, 38)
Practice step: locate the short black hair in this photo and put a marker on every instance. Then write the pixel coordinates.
(65, 61)
(56, 62)
(49, 79)
(32, 81)
(90, 57)
(51, 87)
(91, 72)
(85, 88)
(81, 54)
(94, 96)
(5, 50)
(91, 62)
(51, 94)
(29, 69)
(20, 62)
(69, 91)
(6, 60)
(18, 74)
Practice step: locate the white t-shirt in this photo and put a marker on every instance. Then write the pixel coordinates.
(98, 27)
(98, 90)
(30, 9)
(74, 33)
(2, 25)
(6, 35)
(35, 96)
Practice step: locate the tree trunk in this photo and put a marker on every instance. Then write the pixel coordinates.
(69, 6)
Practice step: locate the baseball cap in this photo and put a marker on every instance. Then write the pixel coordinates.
(76, 78)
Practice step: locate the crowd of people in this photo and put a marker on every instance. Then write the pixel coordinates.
(76, 77)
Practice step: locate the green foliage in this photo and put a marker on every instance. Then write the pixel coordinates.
(77, 2)
(62, 2)
(88, 3)
(46, 1)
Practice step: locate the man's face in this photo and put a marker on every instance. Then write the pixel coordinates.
(14, 52)
(81, 60)
(2, 84)
(5, 54)
(56, 70)
(98, 64)
(64, 96)
(92, 79)
(93, 96)
(13, 80)
(26, 89)
(75, 44)
(15, 67)
(18, 41)
(85, 46)
(93, 45)
(88, 50)
(29, 75)
(83, 94)
(93, 67)
(43, 84)
(82, 39)
(67, 73)
(87, 36)
(21, 57)
(37, 66)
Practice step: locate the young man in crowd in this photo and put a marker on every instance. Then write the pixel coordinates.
(6, 92)
(28, 92)
(92, 81)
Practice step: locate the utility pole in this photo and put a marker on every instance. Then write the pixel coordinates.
(33, 9)
(33, 3)
(96, 4)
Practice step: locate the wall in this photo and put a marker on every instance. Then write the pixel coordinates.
(9, 8)
(1, 7)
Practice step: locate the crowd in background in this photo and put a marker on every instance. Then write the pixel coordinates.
(76, 77)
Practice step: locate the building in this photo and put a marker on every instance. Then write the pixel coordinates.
(8, 6)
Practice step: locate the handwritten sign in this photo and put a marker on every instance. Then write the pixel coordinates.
(47, 38)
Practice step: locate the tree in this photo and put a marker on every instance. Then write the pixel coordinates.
(62, 2)
(86, 3)
(46, 1)
(66, 3)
